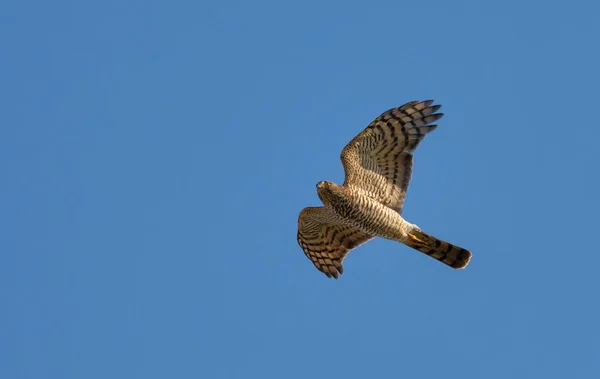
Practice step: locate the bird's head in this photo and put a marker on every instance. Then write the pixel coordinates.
(323, 184)
(327, 191)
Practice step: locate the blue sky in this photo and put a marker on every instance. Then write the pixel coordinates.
(154, 158)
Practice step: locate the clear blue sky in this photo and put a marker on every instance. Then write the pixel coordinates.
(155, 155)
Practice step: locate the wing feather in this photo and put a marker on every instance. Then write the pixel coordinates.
(379, 159)
(326, 240)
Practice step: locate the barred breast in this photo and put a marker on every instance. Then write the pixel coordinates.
(370, 216)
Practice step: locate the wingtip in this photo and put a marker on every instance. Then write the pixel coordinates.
(333, 272)
(431, 101)
(435, 108)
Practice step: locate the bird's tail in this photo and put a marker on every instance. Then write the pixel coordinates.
(453, 256)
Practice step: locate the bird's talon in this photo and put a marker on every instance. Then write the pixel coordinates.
(416, 240)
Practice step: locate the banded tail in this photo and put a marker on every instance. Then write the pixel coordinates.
(453, 256)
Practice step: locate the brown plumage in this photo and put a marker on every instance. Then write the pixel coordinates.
(378, 166)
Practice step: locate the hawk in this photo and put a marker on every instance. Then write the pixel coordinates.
(378, 166)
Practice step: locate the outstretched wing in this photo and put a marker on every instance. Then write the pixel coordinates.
(379, 159)
(326, 240)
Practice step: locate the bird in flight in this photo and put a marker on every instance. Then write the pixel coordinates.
(378, 166)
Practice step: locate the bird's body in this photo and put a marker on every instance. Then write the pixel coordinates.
(356, 208)
(378, 166)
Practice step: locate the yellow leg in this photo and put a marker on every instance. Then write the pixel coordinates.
(417, 239)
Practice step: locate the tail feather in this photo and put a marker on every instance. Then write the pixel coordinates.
(453, 256)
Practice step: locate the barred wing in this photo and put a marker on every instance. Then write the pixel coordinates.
(379, 159)
(326, 240)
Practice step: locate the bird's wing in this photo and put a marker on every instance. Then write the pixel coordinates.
(326, 240)
(379, 159)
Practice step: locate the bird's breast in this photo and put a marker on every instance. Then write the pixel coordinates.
(370, 216)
